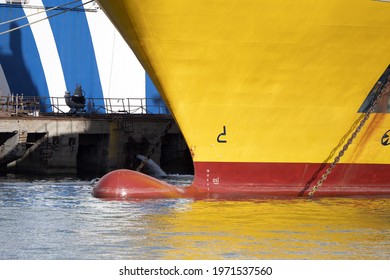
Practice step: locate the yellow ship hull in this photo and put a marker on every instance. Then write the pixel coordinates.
(267, 92)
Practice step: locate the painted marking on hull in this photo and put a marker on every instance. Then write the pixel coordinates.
(386, 138)
(223, 135)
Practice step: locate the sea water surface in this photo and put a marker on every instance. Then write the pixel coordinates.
(49, 219)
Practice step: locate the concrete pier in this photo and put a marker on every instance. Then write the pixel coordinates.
(90, 145)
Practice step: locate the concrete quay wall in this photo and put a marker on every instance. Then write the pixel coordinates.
(90, 146)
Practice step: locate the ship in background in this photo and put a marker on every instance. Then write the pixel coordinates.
(48, 47)
(274, 98)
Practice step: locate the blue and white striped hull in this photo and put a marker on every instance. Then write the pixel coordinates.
(81, 46)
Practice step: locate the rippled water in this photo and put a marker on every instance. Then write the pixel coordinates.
(59, 219)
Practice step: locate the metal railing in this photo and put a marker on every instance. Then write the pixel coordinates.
(33, 105)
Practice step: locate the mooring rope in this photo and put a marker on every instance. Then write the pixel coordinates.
(31, 23)
(37, 13)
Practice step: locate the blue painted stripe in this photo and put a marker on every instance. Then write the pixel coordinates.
(154, 102)
(75, 48)
(19, 56)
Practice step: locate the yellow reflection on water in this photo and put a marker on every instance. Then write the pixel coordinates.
(269, 229)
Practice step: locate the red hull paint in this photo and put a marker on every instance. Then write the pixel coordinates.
(252, 180)
(129, 184)
(291, 179)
